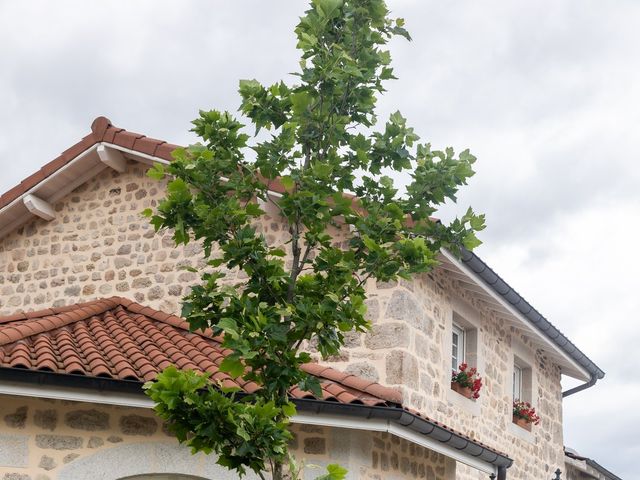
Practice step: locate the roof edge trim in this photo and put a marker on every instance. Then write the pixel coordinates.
(29, 383)
(492, 281)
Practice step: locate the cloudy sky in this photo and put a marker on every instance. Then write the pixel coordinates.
(545, 93)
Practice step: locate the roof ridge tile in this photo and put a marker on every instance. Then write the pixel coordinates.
(102, 130)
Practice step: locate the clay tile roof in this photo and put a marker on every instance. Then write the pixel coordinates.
(122, 340)
(101, 131)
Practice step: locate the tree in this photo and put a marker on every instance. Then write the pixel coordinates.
(332, 170)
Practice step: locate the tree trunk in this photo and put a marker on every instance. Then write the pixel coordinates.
(277, 471)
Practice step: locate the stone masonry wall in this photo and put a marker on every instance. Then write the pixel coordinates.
(99, 246)
(408, 347)
(44, 439)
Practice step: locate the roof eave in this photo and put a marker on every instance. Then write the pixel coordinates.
(476, 271)
(23, 382)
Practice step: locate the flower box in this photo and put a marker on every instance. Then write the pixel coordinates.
(464, 391)
(466, 381)
(522, 423)
(524, 414)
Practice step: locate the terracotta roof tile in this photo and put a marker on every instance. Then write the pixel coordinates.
(101, 131)
(126, 139)
(75, 150)
(147, 145)
(110, 134)
(120, 339)
(164, 151)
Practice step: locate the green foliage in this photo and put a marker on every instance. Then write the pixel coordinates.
(321, 150)
(334, 472)
(245, 432)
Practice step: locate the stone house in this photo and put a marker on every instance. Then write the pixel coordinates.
(88, 301)
(578, 467)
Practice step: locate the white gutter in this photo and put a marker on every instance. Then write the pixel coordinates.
(472, 275)
(379, 425)
(22, 389)
(337, 421)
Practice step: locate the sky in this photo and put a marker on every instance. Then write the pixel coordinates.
(544, 93)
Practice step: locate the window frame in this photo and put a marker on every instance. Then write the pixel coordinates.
(463, 316)
(461, 346)
(517, 382)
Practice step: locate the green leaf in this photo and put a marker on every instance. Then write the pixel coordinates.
(156, 171)
(470, 241)
(328, 8)
(254, 210)
(249, 87)
(334, 472)
(229, 326)
(322, 170)
(300, 102)
(232, 366)
(287, 182)
(370, 243)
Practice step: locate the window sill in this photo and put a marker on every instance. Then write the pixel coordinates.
(468, 405)
(520, 432)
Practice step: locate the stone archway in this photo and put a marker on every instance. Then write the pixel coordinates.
(141, 461)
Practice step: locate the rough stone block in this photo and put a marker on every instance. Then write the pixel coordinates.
(59, 442)
(138, 425)
(373, 309)
(364, 370)
(47, 463)
(387, 335)
(16, 419)
(402, 368)
(70, 458)
(89, 420)
(403, 306)
(14, 451)
(315, 446)
(95, 442)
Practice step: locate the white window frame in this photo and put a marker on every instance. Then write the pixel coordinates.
(517, 382)
(466, 318)
(461, 347)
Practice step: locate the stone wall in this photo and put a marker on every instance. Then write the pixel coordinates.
(579, 470)
(99, 246)
(408, 347)
(394, 457)
(62, 440)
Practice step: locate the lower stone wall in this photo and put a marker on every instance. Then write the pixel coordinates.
(43, 439)
(394, 457)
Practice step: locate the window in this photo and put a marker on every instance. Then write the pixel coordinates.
(457, 347)
(517, 383)
(464, 342)
(522, 380)
(462, 339)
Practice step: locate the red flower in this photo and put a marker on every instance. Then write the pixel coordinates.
(467, 377)
(525, 411)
